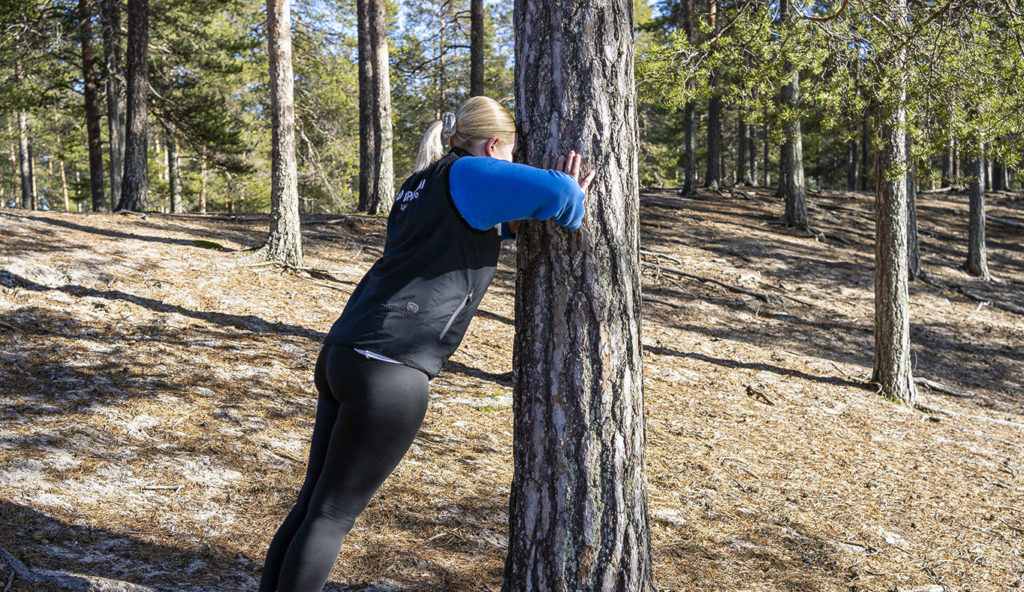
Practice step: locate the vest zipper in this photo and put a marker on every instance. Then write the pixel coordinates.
(451, 319)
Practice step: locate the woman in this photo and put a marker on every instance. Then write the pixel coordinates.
(406, 317)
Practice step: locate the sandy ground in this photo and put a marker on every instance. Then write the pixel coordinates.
(157, 400)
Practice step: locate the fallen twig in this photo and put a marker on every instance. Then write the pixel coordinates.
(173, 488)
(757, 393)
(1004, 221)
(943, 388)
(760, 295)
(1001, 305)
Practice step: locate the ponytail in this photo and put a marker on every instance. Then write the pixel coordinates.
(431, 148)
(478, 119)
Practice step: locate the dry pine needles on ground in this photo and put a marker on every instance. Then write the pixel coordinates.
(157, 400)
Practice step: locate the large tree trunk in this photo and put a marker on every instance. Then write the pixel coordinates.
(578, 510)
(112, 54)
(174, 171)
(913, 245)
(136, 173)
(892, 369)
(376, 172)
(977, 259)
(285, 241)
(713, 169)
(476, 48)
(92, 106)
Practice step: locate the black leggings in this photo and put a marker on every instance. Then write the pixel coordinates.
(367, 415)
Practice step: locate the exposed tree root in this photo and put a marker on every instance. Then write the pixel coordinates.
(65, 580)
(943, 388)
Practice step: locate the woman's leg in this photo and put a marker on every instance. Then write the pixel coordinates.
(326, 414)
(382, 408)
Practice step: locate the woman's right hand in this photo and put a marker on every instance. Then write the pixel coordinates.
(570, 165)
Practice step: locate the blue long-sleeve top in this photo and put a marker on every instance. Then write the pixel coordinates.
(490, 191)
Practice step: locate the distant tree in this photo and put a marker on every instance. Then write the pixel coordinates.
(376, 172)
(476, 44)
(136, 167)
(977, 260)
(86, 9)
(713, 172)
(114, 77)
(578, 510)
(285, 241)
(792, 181)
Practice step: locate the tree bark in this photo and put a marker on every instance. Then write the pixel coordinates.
(28, 197)
(892, 368)
(285, 241)
(476, 48)
(713, 168)
(174, 171)
(853, 166)
(135, 183)
(752, 155)
(977, 259)
(112, 54)
(792, 182)
(578, 510)
(766, 154)
(376, 172)
(92, 106)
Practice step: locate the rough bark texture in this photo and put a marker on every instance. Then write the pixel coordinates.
(376, 172)
(892, 369)
(690, 149)
(578, 510)
(112, 54)
(476, 48)
(174, 172)
(977, 259)
(92, 105)
(285, 241)
(136, 173)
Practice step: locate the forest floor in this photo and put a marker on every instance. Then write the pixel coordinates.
(157, 401)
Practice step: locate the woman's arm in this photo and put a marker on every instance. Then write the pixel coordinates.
(488, 191)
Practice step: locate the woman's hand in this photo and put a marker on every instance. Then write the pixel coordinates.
(571, 166)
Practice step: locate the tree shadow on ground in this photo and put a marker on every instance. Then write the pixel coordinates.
(44, 542)
(244, 322)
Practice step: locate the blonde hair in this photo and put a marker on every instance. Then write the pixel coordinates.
(477, 120)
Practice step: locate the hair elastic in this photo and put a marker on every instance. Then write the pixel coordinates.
(448, 125)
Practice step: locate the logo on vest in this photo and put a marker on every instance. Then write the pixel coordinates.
(407, 196)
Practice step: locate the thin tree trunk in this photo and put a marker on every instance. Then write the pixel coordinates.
(977, 259)
(713, 169)
(948, 168)
(794, 187)
(752, 155)
(376, 172)
(174, 171)
(865, 146)
(998, 176)
(92, 106)
(578, 510)
(202, 181)
(28, 197)
(766, 160)
(113, 54)
(476, 48)
(853, 166)
(913, 245)
(60, 162)
(690, 148)
(742, 167)
(892, 369)
(136, 173)
(285, 241)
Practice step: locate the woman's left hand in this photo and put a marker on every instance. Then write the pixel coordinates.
(571, 166)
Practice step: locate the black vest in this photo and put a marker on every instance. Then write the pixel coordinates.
(415, 303)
